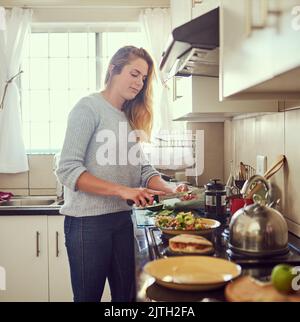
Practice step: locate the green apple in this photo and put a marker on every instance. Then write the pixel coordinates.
(282, 277)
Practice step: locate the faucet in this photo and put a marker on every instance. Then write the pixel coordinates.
(59, 186)
(59, 191)
(261, 182)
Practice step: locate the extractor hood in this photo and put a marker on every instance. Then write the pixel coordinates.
(193, 48)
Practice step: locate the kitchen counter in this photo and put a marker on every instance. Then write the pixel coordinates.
(147, 290)
(30, 211)
(31, 205)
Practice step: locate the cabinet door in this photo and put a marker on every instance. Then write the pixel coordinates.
(180, 12)
(245, 52)
(182, 96)
(60, 289)
(259, 46)
(197, 97)
(24, 256)
(200, 7)
(286, 48)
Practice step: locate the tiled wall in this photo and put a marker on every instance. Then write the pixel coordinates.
(39, 180)
(270, 135)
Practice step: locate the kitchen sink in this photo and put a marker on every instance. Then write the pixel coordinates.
(30, 202)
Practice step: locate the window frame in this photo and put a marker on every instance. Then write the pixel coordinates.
(99, 57)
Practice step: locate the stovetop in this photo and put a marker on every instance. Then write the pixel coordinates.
(158, 248)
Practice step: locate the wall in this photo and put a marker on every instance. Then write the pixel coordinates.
(269, 135)
(39, 180)
(213, 150)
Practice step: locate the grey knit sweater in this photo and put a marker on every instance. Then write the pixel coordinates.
(84, 148)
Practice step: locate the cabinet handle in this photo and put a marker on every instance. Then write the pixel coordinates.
(57, 250)
(194, 2)
(175, 96)
(37, 244)
(264, 11)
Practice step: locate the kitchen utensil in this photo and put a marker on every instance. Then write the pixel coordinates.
(258, 230)
(239, 183)
(235, 189)
(230, 180)
(242, 171)
(192, 273)
(249, 289)
(161, 198)
(245, 171)
(276, 166)
(154, 207)
(215, 199)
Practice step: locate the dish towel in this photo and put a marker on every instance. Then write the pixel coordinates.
(5, 196)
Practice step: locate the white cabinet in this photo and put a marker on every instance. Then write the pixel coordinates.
(197, 97)
(60, 289)
(259, 50)
(183, 11)
(24, 256)
(59, 273)
(180, 12)
(34, 256)
(200, 7)
(33, 253)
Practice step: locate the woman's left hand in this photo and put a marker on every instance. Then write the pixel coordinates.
(181, 188)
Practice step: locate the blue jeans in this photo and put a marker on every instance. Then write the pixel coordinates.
(101, 247)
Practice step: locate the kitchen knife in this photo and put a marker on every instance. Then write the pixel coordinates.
(161, 198)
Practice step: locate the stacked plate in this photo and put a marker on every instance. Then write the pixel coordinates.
(192, 273)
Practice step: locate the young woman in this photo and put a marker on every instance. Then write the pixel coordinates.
(99, 171)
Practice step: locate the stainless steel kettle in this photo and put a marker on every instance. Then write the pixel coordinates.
(257, 229)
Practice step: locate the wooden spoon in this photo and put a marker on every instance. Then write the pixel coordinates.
(243, 171)
(276, 166)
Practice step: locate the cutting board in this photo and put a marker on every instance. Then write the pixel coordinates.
(248, 289)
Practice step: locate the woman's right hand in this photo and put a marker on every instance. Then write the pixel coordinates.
(140, 196)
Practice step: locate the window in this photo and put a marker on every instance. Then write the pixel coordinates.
(60, 68)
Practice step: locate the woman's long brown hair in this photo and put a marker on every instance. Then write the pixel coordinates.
(138, 111)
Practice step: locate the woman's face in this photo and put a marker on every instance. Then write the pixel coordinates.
(131, 79)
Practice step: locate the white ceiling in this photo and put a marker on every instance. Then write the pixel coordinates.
(85, 3)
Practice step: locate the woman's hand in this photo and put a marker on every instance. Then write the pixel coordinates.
(140, 196)
(181, 188)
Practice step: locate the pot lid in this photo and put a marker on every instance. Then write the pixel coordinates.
(214, 185)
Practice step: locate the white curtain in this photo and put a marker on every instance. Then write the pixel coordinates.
(156, 26)
(13, 158)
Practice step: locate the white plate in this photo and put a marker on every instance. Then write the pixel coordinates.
(192, 273)
(213, 224)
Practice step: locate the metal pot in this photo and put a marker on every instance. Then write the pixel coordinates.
(258, 230)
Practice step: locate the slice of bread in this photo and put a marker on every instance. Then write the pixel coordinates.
(190, 244)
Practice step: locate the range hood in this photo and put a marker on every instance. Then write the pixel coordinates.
(193, 48)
